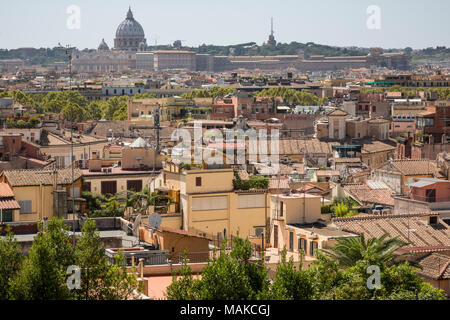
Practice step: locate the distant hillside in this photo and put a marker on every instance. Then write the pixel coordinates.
(437, 54)
(45, 56)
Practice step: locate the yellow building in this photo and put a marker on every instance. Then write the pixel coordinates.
(44, 193)
(296, 224)
(208, 203)
(171, 108)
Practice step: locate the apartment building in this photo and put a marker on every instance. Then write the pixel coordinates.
(44, 193)
(209, 204)
(296, 224)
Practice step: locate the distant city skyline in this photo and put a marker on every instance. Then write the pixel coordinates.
(403, 23)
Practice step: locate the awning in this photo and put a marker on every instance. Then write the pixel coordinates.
(9, 205)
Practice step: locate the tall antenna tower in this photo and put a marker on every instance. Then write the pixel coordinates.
(271, 26)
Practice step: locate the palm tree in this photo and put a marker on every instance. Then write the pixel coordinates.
(377, 251)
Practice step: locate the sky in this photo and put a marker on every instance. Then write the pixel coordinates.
(402, 23)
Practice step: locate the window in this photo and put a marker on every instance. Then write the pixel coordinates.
(87, 186)
(6, 216)
(251, 201)
(75, 192)
(209, 203)
(302, 244)
(198, 181)
(291, 241)
(312, 248)
(135, 185)
(109, 187)
(25, 206)
(281, 208)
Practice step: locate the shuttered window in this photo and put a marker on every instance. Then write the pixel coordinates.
(209, 203)
(291, 241)
(135, 185)
(109, 187)
(313, 247)
(87, 186)
(25, 206)
(75, 192)
(251, 201)
(302, 244)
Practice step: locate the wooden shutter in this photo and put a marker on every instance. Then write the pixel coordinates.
(135, 185)
(109, 187)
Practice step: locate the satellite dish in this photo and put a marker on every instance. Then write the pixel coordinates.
(154, 220)
(136, 225)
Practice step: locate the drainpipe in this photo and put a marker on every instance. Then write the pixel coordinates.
(41, 213)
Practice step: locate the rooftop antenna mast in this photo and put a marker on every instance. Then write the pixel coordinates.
(69, 55)
(271, 26)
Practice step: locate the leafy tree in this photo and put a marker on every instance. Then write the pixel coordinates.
(10, 262)
(99, 279)
(228, 276)
(43, 274)
(184, 286)
(377, 251)
(95, 111)
(76, 113)
(113, 105)
(292, 284)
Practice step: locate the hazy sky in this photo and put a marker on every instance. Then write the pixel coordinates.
(43, 23)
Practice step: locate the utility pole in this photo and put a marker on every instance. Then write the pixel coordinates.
(69, 55)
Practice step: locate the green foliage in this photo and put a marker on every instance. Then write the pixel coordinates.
(43, 274)
(290, 96)
(227, 276)
(99, 279)
(341, 210)
(377, 251)
(10, 263)
(255, 182)
(326, 208)
(291, 284)
(233, 276)
(184, 286)
(75, 112)
(94, 110)
(214, 92)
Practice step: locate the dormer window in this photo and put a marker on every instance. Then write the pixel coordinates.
(434, 220)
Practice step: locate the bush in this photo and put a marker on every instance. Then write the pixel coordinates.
(326, 208)
(255, 182)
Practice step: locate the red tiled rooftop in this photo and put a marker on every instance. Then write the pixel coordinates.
(5, 190)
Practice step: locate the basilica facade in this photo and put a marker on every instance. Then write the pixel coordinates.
(130, 38)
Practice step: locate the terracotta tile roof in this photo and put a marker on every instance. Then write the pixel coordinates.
(337, 112)
(376, 146)
(300, 146)
(364, 194)
(282, 183)
(435, 266)
(309, 187)
(22, 178)
(287, 169)
(327, 173)
(182, 232)
(413, 167)
(5, 190)
(393, 94)
(9, 204)
(420, 233)
(346, 160)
